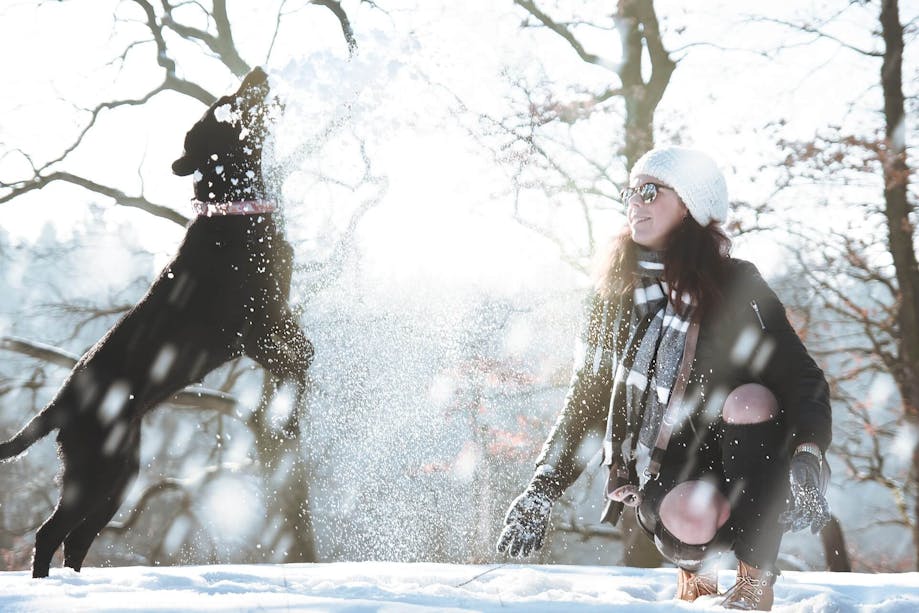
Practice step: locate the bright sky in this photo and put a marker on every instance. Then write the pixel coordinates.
(446, 199)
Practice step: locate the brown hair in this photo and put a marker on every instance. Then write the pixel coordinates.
(694, 263)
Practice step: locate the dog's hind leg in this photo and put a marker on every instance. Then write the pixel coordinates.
(78, 542)
(284, 351)
(70, 511)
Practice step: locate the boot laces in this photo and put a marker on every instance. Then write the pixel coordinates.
(746, 592)
(700, 584)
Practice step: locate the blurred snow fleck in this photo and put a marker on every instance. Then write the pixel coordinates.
(744, 346)
(233, 506)
(281, 405)
(519, 337)
(280, 551)
(176, 534)
(114, 438)
(465, 463)
(882, 388)
(441, 389)
(163, 362)
(249, 397)
(898, 137)
(904, 442)
(702, 498)
(114, 401)
(761, 358)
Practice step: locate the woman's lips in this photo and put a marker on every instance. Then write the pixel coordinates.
(635, 222)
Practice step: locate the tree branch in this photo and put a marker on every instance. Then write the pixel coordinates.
(94, 115)
(662, 66)
(277, 29)
(332, 266)
(40, 351)
(566, 34)
(820, 34)
(160, 487)
(192, 397)
(121, 198)
(172, 80)
(222, 44)
(339, 12)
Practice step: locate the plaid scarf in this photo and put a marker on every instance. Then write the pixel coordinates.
(646, 368)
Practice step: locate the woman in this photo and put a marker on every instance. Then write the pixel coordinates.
(716, 418)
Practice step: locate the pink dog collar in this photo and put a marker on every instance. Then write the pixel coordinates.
(240, 207)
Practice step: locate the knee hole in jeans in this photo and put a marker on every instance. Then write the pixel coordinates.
(750, 403)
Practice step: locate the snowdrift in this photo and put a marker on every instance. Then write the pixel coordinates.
(385, 586)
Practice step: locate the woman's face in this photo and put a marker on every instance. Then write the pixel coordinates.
(652, 223)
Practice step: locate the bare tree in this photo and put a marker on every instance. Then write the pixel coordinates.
(865, 277)
(561, 140)
(637, 25)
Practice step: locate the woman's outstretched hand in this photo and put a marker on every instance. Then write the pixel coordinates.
(527, 518)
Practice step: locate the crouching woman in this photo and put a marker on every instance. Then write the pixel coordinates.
(715, 416)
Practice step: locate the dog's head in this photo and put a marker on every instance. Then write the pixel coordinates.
(224, 148)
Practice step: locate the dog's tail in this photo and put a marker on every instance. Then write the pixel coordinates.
(37, 428)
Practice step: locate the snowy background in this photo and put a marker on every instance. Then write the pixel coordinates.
(446, 189)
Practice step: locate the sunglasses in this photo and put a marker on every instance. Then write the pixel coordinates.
(647, 192)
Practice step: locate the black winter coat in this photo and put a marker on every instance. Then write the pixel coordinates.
(746, 339)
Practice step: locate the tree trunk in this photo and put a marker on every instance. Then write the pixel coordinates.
(834, 547)
(900, 230)
(914, 474)
(638, 29)
(287, 477)
(637, 549)
(639, 130)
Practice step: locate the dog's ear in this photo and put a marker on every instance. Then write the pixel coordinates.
(187, 164)
(194, 147)
(206, 134)
(184, 166)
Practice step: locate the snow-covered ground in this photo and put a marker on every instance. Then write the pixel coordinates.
(392, 587)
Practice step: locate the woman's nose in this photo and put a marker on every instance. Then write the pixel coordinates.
(635, 199)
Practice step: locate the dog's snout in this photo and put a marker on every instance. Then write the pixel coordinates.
(256, 76)
(255, 86)
(183, 166)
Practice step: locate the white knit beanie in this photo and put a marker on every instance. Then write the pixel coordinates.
(693, 175)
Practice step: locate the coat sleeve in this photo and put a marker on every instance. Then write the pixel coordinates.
(783, 364)
(587, 401)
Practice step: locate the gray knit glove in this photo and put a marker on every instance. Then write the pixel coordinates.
(528, 516)
(808, 506)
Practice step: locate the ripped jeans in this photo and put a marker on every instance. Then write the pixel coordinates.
(748, 464)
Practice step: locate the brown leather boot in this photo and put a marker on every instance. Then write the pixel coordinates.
(753, 589)
(692, 585)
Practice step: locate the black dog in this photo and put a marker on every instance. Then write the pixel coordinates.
(223, 295)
